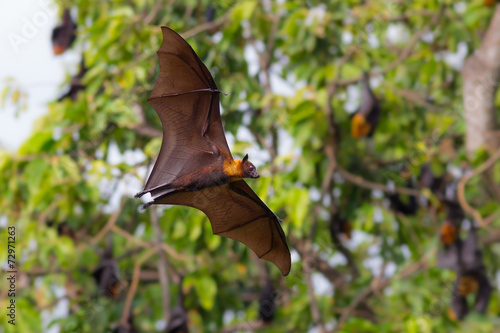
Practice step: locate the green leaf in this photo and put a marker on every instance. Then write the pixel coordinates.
(206, 289)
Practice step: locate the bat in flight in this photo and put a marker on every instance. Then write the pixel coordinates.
(195, 167)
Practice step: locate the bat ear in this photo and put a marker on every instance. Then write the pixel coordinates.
(245, 159)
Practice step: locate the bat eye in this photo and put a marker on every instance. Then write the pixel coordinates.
(252, 168)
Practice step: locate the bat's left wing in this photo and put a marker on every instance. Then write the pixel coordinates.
(236, 212)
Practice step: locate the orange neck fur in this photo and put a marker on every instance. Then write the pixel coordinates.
(360, 127)
(233, 169)
(448, 233)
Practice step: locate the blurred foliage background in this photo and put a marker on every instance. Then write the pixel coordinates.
(291, 70)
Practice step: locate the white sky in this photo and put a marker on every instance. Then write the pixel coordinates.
(33, 66)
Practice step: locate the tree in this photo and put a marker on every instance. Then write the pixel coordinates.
(291, 71)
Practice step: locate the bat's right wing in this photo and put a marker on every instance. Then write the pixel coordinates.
(236, 212)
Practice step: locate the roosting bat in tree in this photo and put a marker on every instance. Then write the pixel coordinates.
(107, 275)
(267, 302)
(63, 35)
(76, 84)
(195, 167)
(365, 120)
(178, 321)
(466, 258)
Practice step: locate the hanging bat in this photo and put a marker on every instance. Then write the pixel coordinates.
(339, 225)
(458, 307)
(461, 255)
(405, 207)
(267, 302)
(76, 84)
(107, 275)
(466, 258)
(178, 321)
(471, 282)
(195, 167)
(427, 179)
(63, 35)
(365, 120)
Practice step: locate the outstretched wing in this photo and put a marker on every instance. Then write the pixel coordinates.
(187, 101)
(236, 212)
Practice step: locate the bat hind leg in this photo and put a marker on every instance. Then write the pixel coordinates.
(157, 191)
(140, 194)
(146, 205)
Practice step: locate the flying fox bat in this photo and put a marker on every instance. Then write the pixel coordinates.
(63, 35)
(107, 275)
(365, 120)
(267, 302)
(178, 321)
(76, 84)
(195, 167)
(475, 282)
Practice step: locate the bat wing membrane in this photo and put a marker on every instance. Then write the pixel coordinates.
(186, 99)
(236, 212)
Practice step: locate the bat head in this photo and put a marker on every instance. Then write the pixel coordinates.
(248, 169)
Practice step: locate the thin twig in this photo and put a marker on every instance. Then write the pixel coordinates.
(133, 288)
(206, 26)
(376, 186)
(309, 257)
(171, 252)
(413, 96)
(162, 264)
(110, 224)
(493, 236)
(251, 326)
(331, 144)
(461, 187)
(404, 54)
(381, 285)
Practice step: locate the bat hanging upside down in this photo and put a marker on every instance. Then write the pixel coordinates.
(195, 167)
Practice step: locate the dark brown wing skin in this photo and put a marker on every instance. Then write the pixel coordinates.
(236, 212)
(187, 101)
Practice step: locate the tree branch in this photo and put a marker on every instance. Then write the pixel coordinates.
(162, 264)
(206, 26)
(313, 261)
(376, 186)
(481, 73)
(379, 285)
(461, 187)
(133, 288)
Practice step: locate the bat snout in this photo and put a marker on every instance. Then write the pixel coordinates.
(254, 174)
